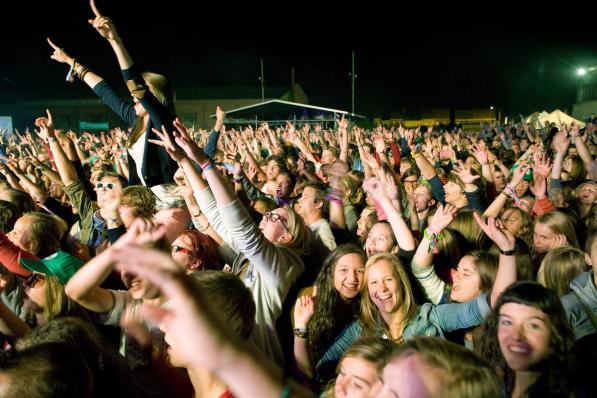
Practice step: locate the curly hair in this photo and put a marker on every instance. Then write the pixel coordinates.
(326, 322)
(554, 368)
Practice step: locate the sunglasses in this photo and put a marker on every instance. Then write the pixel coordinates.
(35, 280)
(176, 249)
(101, 185)
(274, 217)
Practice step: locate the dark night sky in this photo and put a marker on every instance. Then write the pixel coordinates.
(519, 63)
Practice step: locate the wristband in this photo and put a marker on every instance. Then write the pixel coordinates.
(301, 333)
(508, 252)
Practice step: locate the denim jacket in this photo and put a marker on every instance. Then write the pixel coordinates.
(431, 320)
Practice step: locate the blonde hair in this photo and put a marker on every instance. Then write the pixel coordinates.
(465, 223)
(461, 372)
(300, 237)
(354, 191)
(405, 302)
(559, 223)
(559, 267)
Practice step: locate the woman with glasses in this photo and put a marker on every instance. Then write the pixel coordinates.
(196, 252)
(270, 253)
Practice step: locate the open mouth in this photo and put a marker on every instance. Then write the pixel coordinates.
(520, 349)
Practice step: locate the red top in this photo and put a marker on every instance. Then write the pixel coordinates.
(10, 254)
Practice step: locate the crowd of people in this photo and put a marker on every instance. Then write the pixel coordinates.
(156, 260)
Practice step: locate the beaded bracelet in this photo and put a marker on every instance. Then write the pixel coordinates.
(511, 192)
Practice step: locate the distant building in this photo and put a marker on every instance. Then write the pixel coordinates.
(193, 106)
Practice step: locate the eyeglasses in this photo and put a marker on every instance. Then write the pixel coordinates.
(275, 217)
(35, 280)
(411, 183)
(176, 249)
(107, 185)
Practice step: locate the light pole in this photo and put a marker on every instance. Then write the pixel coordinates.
(580, 89)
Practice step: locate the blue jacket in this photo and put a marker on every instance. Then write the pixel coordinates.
(431, 320)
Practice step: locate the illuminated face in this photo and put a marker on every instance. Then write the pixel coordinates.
(111, 190)
(422, 199)
(363, 224)
(408, 376)
(355, 378)
(138, 287)
(307, 202)
(499, 179)
(20, 235)
(467, 281)
(274, 224)
(453, 192)
(522, 188)
(181, 247)
(543, 238)
(272, 170)
(383, 287)
(349, 274)
(35, 290)
(410, 184)
(327, 157)
(587, 195)
(512, 221)
(283, 186)
(523, 334)
(379, 240)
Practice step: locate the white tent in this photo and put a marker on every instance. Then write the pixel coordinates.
(539, 120)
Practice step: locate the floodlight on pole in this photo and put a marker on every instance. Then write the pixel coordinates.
(581, 71)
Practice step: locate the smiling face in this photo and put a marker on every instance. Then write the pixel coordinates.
(453, 192)
(349, 275)
(139, 288)
(379, 240)
(523, 334)
(383, 287)
(467, 281)
(355, 378)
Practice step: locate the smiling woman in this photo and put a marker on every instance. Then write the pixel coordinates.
(529, 338)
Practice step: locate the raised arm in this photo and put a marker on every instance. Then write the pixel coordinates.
(67, 170)
(86, 75)
(506, 243)
(440, 221)
(107, 30)
(376, 188)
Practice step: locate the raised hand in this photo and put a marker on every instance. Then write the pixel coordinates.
(465, 173)
(141, 232)
(480, 154)
(518, 174)
(539, 186)
(59, 54)
(185, 141)
(558, 241)
(542, 165)
(102, 24)
(304, 310)
(442, 217)
(496, 231)
(46, 126)
(561, 142)
(168, 144)
(386, 177)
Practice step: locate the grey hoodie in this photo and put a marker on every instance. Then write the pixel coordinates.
(577, 317)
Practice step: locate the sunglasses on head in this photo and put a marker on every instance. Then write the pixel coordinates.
(105, 185)
(176, 249)
(35, 280)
